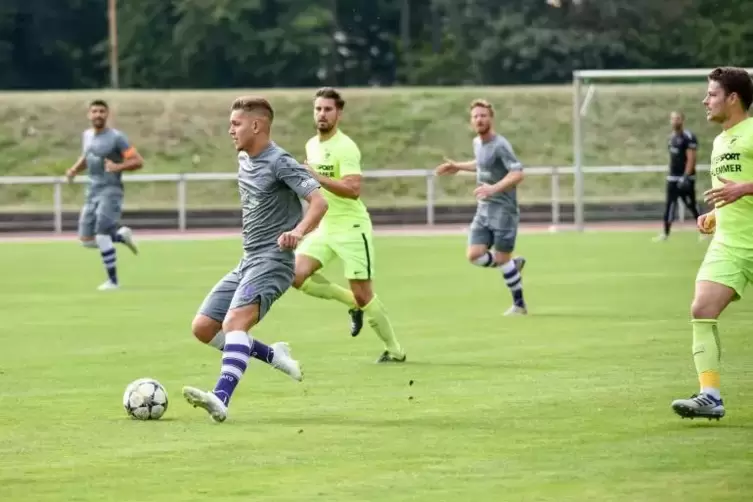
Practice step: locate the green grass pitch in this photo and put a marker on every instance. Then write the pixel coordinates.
(568, 404)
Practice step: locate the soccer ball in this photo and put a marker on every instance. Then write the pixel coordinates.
(145, 399)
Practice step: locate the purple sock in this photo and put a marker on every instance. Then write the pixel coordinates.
(235, 356)
(262, 352)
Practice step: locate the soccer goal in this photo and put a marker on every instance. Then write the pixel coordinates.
(621, 128)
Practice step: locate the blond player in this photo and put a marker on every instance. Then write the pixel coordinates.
(728, 266)
(345, 232)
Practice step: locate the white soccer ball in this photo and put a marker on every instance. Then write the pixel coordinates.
(145, 399)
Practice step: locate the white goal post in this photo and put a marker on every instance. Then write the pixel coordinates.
(580, 109)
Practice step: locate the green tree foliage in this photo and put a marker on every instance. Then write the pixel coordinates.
(294, 43)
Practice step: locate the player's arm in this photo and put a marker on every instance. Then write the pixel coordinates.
(450, 166)
(80, 163)
(132, 159)
(303, 183)
(349, 184)
(317, 208)
(76, 168)
(514, 167)
(691, 155)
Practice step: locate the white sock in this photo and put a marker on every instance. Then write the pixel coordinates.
(514, 281)
(107, 250)
(715, 393)
(485, 260)
(218, 342)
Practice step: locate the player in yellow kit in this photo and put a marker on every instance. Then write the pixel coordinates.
(345, 232)
(728, 266)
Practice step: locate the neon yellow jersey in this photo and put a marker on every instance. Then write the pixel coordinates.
(732, 159)
(336, 158)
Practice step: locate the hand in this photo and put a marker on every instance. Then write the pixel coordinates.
(447, 167)
(484, 191)
(112, 167)
(707, 223)
(683, 182)
(70, 174)
(289, 240)
(728, 193)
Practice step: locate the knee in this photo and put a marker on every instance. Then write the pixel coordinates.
(204, 328)
(474, 253)
(363, 297)
(501, 257)
(701, 309)
(241, 319)
(299, 279)
(88, 243)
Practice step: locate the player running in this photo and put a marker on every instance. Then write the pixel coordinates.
(345, 232)
(494, 227)
(728, 266)
(271, 184)
(105, 154)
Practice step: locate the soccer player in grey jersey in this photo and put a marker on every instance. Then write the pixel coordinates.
(271, 185)
(495, 226)
(105, 155)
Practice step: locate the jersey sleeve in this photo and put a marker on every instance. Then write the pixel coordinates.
(350, 160)
(692, 141)
(295, 176)
(123, 146)
(507, 155)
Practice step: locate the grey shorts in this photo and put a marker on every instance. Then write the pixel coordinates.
(100, 214)
(262, 281)
(494, 228)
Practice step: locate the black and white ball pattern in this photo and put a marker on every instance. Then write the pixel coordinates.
(145, 399)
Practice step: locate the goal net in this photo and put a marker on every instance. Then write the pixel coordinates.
(621, 129)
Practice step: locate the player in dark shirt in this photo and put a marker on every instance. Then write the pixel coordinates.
(682, 146)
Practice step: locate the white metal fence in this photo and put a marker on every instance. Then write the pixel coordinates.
(181, 180)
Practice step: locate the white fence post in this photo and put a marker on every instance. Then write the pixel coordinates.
(182, 202)
(430, 196)
(555, 196)
(57, 196)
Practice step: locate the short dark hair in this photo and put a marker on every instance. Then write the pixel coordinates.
(99, 102)
(734, 80)
(331, 93)
(254, 104)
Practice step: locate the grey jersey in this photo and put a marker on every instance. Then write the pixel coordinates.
(271, 187)
(95, 148)
(494, 159)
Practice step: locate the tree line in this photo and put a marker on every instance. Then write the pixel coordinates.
(63, 44)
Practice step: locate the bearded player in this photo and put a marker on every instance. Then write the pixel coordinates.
(345, 231)
(728, 266)
(495, 226)
(105, 155)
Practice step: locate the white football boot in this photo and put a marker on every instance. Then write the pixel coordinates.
(699, 406)
(516, 310)
(127, 234)
(108, 286)
(208, 401)
(284, 362)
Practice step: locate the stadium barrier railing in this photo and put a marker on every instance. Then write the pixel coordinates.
(182, 179)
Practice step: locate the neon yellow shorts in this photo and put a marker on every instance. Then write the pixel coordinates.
(354, 248)
(732, 267)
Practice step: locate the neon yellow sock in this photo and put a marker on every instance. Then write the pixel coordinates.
(707, 351)
(377, 318)
(319, 286)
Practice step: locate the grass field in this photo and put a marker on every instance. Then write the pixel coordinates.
(402, 128)
(568, 404)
